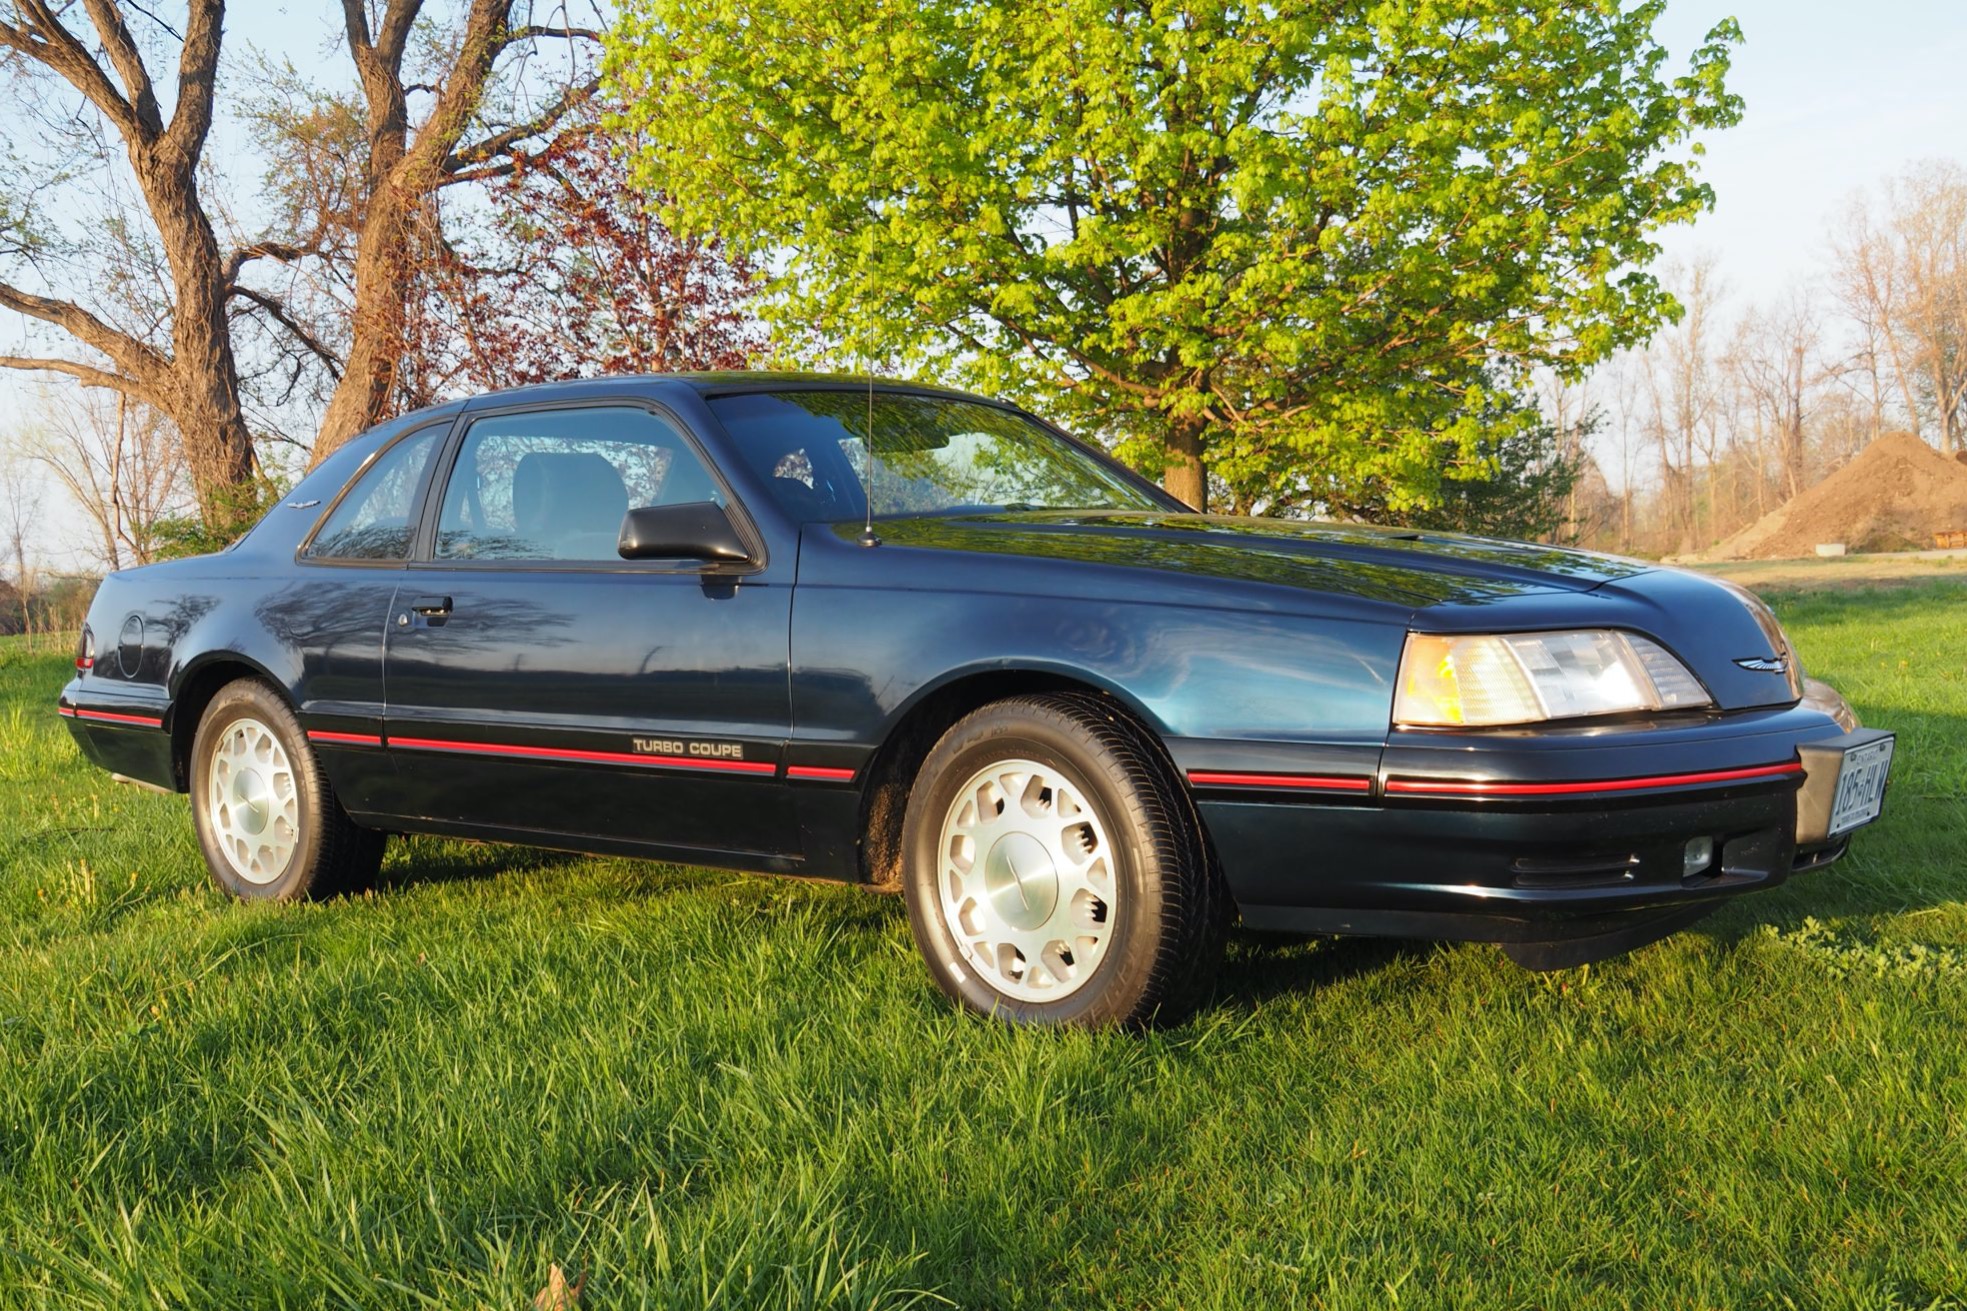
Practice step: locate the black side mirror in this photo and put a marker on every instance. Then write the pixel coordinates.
(694, 530)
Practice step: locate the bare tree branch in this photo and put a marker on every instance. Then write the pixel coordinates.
(87, 374)
(285, 252)
(277, 309)
(122, 50)
(535, 30)
(500, 142)
(45, 40)
(152, 16)
(142, 362)
(198, 64)
(387, 48)
(196, 383)
(397, 22)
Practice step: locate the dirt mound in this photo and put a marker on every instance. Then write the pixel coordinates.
(1893, 496)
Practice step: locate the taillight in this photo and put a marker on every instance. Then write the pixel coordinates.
(85, 652)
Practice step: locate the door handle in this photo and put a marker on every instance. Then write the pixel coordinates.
(430, 606)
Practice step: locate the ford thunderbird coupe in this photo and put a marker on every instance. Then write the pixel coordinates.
(917, 639)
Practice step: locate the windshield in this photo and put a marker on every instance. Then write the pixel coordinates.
(931, 456)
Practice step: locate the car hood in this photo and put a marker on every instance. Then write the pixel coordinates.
(1397, 566)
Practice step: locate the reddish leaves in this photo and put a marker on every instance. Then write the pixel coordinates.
(576, 277)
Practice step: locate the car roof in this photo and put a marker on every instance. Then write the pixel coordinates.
(721, 383)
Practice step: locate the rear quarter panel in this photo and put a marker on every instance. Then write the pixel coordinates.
(313, 633)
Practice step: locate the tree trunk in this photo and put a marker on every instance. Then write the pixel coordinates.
(382, 276)
(218, 447)
(382, 256)
(405, 168)
(1186, 478)
(1793, 451)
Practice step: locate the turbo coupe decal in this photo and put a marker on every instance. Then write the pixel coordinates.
(518, 751)
(682, 747)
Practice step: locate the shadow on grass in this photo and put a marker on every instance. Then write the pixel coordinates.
(419, 861)
(1259, 967)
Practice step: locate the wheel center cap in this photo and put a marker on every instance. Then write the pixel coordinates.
(1021, 881)
(249, 794)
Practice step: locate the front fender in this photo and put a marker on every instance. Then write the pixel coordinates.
(862, 657)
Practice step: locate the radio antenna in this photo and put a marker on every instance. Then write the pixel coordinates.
(867, 482)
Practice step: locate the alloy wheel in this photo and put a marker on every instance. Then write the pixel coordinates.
(253, 801)
(1027, 880)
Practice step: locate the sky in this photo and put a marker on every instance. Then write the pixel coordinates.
(1838, 97)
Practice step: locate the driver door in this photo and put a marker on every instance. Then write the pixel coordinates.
(537, 685)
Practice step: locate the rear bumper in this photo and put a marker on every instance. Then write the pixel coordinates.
(125, 734)
(1569, 837)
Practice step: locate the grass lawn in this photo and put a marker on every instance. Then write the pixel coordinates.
(711, 1090)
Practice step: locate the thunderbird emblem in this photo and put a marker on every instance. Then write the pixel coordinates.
(1765, 664)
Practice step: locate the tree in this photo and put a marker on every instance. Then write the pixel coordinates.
(1685, 401)
(184, 369)
(1519, 485)
(121, 466)
(1525, 494)
(406, 161)
(1777, 356)
(1902, 272)
(20, 513)
(578, 276)
(1256, 241)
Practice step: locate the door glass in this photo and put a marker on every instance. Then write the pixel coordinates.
(554, 484)
(373, 520)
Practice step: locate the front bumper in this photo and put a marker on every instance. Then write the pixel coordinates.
(1568, 844)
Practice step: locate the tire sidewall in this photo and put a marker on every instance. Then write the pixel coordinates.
(1111, 995)
(246, 700)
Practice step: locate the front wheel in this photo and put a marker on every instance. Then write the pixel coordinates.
(1055, 872)
(267, 818)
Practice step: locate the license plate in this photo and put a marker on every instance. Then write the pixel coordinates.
(1861, 786)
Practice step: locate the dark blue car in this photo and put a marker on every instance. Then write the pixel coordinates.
(1083, 729)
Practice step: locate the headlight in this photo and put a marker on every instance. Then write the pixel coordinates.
(1522, 678)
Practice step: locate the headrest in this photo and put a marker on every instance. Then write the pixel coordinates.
(555, 493)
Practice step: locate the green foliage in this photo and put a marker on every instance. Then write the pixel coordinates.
(1283, 239)
(230, 513)
(1515, 485)
(706, 1090)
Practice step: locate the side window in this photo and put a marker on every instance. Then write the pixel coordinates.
(373, 521)
(554, 485)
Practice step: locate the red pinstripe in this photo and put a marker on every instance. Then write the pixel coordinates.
(820, 773)
(1454, 788)
(1304, 782)
(345, 739)
(141, 721)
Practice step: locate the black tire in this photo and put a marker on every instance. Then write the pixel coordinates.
(330, 854)
(1168, 925)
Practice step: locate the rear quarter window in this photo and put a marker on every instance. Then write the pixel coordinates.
(374, 520)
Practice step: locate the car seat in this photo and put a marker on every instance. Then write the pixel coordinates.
(568, 505)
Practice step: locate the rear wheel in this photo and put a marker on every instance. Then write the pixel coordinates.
(1055, 872)
(267, 818)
